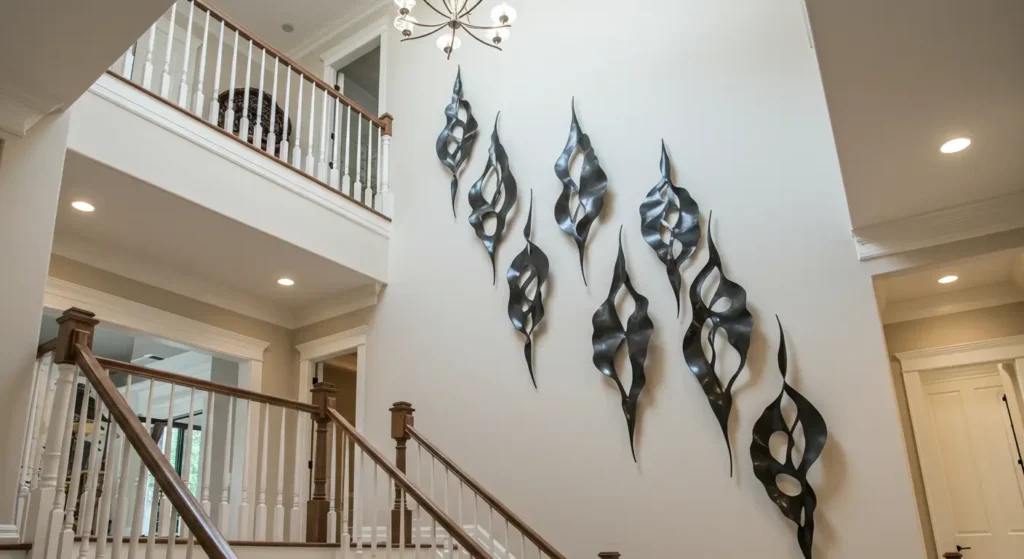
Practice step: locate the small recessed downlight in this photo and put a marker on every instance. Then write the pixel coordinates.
(955, 145)
(287, 282)
(948, 279)
(287, 28)
(83, 206)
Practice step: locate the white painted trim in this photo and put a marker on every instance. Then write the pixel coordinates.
(9, 534)
(17, 115)
(356, 45)
(950, 303)
(340, 26)
(939, 227)
(112, 310)
(1001, 349)
(354, 300)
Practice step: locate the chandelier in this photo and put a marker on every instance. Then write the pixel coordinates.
(456, 15)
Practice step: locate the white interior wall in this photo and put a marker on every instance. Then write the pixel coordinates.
(734, 89)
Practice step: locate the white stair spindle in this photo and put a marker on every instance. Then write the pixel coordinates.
(186, 472)
(295, 517)
(154, 502)
(207, 453)
(244, 516)
(68, 535)
(459, 519)
(433, 495)
(215, 94)
(332, 488)
(346, 179)
(257, 136)
(35, 431)
(50, 494)
(224, 510)
(165, 78)
(283, 154)
(334, 178)
(261, 499)
(229, 114)
(358, 191)
(401, 523)
(386, 204)
(310, 158)
(358, 509)
(346, 456)
(120, 500)
(278, 525)
(272, 134)
(198, 102)
(417, 537)
(322, 172)
(373, 508)
(370, 186)
(183, 86)
(243, 128)
(165, 503)
(377, 168)
(140, 485)
(109, 461)
(129, 61)
(297, 155)
(147, 69)
(191, 546)
(89, 497)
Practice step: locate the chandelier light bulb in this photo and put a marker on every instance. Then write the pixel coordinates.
(448, 43)
(405, 4)
(500, 35)
(503, 14)
(405, 24)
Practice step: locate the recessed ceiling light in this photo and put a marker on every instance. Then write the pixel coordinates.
(287, 282)
(83, 206)
(288, 28)
(948, 279)
(955, 145)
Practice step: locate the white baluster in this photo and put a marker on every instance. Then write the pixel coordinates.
(183, 86)
(310, 158)
(506, 538)
(46, 511)
(389, 489)
(244, 516)
(433, 495)
(418, 525)
(335, 172)
(129, 61)
(34, 432)
(346, 179)
(154, 503)
(198, 102)
(295, 518)
(297, 155)
(243, 129)
(278, 527)
(123, 476)
(272, 135)
(186, 472)
(109, 468)
(214, 102)
(459, 518)
(401, 523)
(165, 502)
(147, 68)
(346, 458)
(377, 198)
(358, 191)
(229, 115)
(322, 171)
(140, 484)
(358, 508)
(89, 497)
(283, 153)
(68, 535)
(386, 203)
(332, 488)
(165, 79)
(373, 510)
(257, 136)
(224, 509)
(261, 500)
(207, 452)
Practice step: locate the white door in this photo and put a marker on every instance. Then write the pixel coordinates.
(973, 482)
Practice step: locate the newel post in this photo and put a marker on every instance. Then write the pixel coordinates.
(318, 506)
(387, 203)
(76, 326)
(401, 418)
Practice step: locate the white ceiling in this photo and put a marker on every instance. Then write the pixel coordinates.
(903, 77)
(144, 233)
(310, 18)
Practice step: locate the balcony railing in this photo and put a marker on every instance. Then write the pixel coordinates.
(208, 66)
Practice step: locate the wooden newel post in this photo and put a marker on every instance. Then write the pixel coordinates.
(318, 506)
(609, 555)
(76, 326)
(401, 417)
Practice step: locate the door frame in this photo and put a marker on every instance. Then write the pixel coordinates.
(357, 44)
(915, 364)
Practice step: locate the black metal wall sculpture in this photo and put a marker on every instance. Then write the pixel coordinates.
(798, 508)
(676, 241)
(454, 150)
(499, 205)
(587, 196)
(609, 336)
(528, 272)
(736, 321)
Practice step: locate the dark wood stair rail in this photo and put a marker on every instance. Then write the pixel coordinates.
(402, 430)
(73, 346)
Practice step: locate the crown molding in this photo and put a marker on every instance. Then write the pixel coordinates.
(339, 28)
(951, 303)
(18, 114)
(1000, 349)
(939, 227)
(357, 299)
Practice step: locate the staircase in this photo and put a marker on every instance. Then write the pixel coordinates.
(115, 464)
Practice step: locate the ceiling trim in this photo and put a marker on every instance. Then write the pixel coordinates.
(944, 226)
(111, 309)
(18, 114)
(1000, 349)
(337, 28)
(356, 299)
(950, 303)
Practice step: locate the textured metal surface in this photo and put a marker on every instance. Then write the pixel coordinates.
(453, 149)
(528, 273)
(798, 508)
(609, 335)
(580, 203)
(737, 323)
(498, 206)
(670, 223)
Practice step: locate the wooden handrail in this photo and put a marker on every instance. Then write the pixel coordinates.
(486, 495)
(383, 122)
(465, 540)
(209, 386)
(46, 347)
(186, 505)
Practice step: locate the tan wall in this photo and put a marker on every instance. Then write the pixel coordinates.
(942, 331)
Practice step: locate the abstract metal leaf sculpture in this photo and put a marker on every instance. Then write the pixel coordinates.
(585, 197)
(609, 336)
(674, 241)
(499, 205)
(798, 508)
(453, 150)
(736, 321)
(528, 272)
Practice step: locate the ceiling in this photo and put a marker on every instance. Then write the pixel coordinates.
(903, 77)
(310, 18)
(984, 281)
(144, 233)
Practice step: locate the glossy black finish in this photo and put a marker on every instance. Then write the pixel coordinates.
(737, 323)
(529, 268)
(609, 336)
(452, 150)
(500, 203)
(799, 508)
(586, 197)
(674, 242)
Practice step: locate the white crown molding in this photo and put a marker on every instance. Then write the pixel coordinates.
(943, 226)
(327, 347)
(112, 310)
(953, 302)
(18, 114)
(339, 27)
(354, 300)
(1001, 349)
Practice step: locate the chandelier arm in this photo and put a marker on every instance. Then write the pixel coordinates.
(487, 27)
(481, 41)
(446, 5)
(451, 43)
(423, 35)
(429, 25)
(447, 16)
(470, 10)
